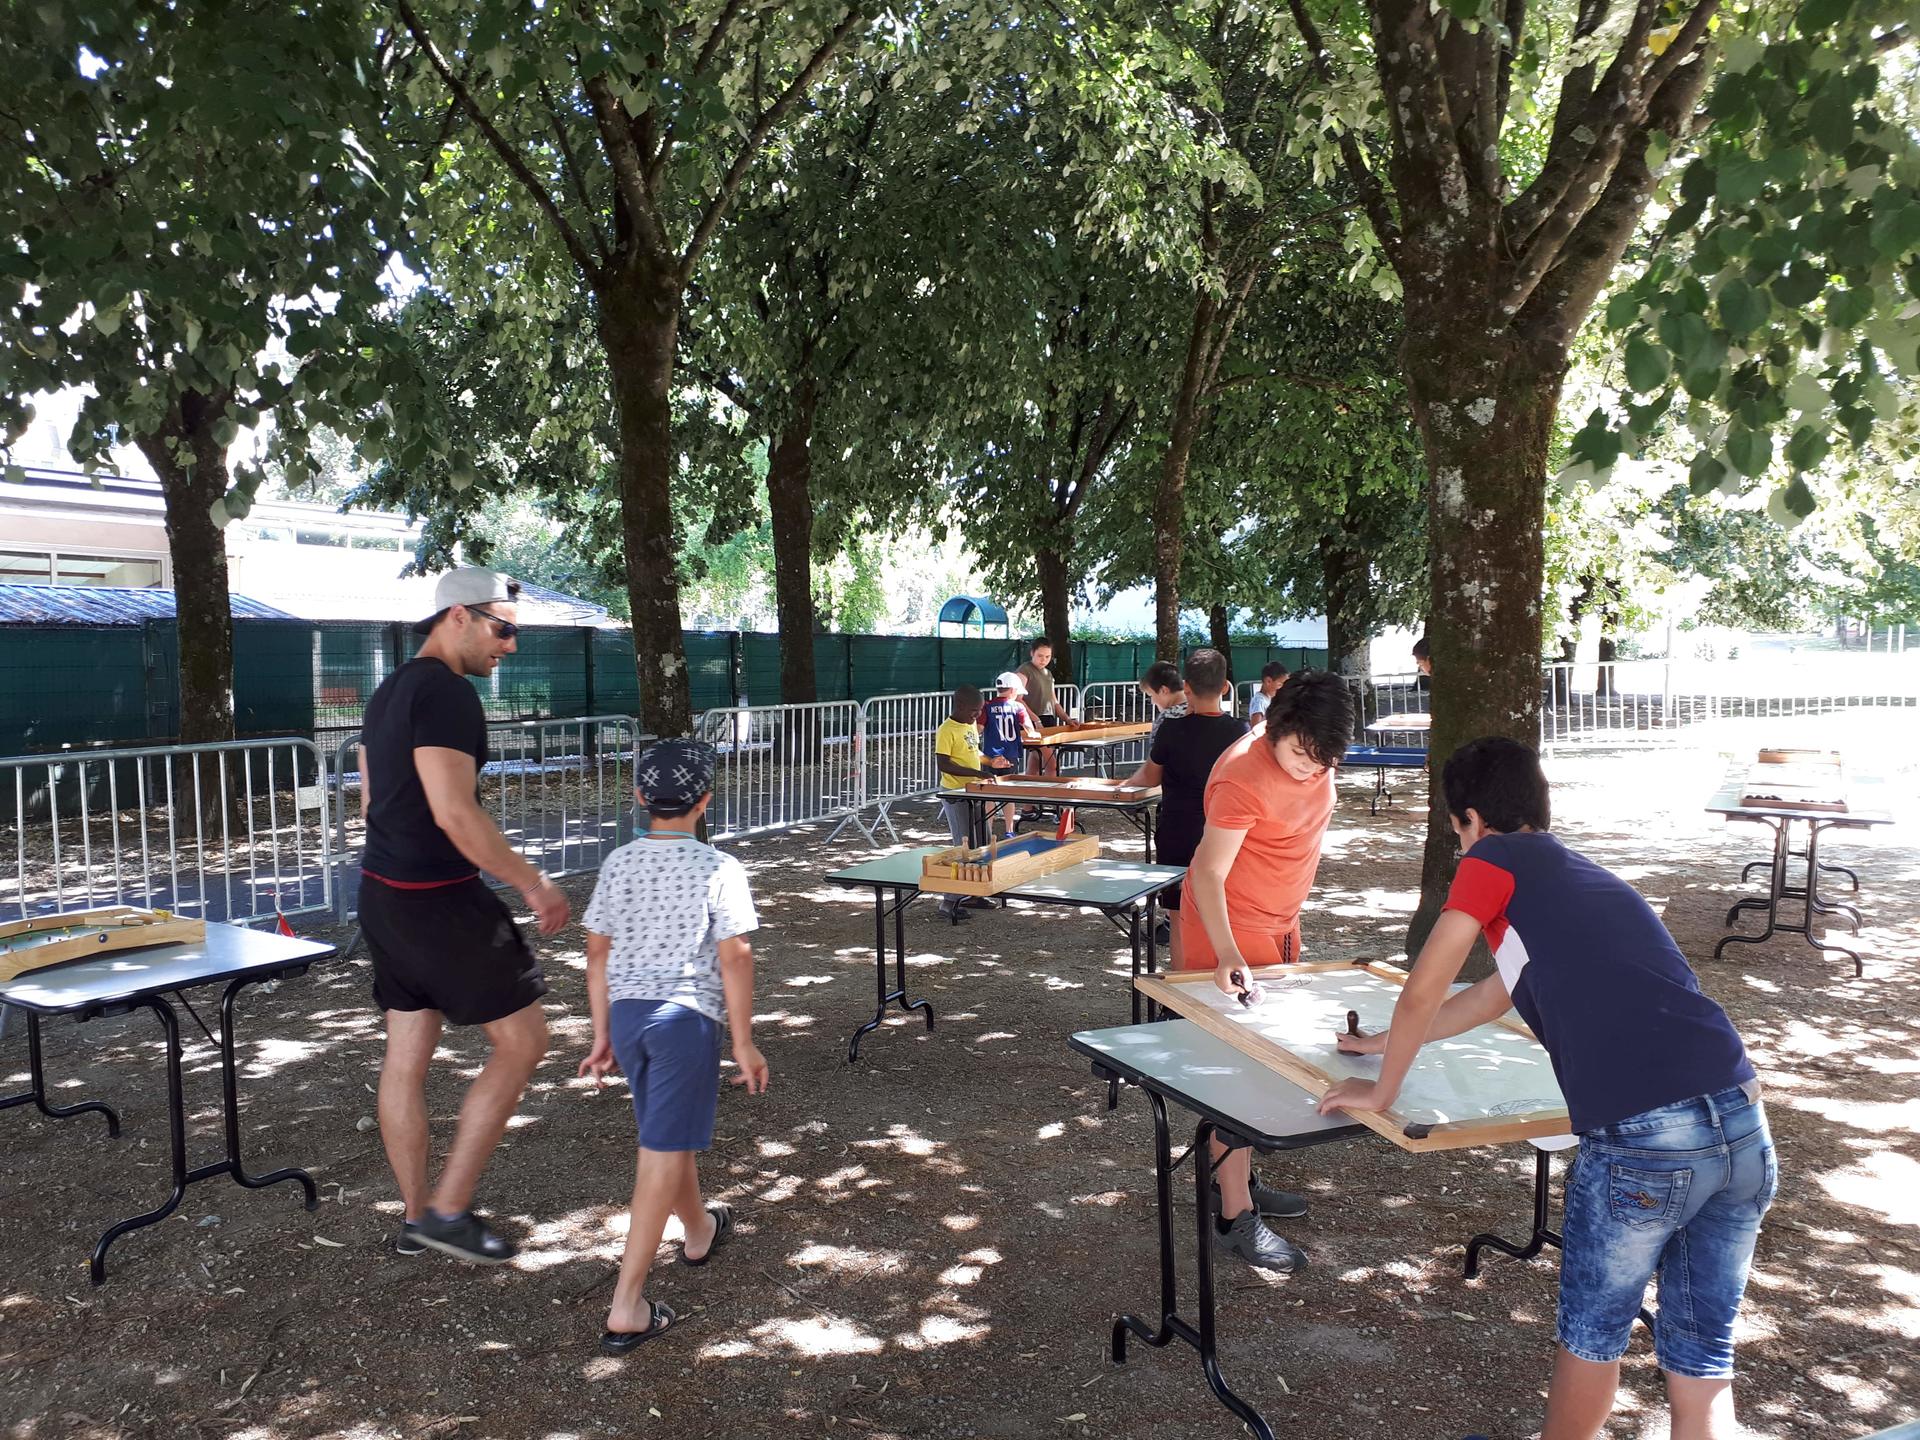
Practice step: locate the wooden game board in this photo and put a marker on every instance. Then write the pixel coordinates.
(1052, 789)
(1798, 785)
(1003, 864)
(1491, 1085)
(1079, 734)
(43, 940)
(1786, 755)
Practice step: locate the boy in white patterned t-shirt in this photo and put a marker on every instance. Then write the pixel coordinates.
(667, 959)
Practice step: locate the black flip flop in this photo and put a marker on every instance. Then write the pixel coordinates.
(660, 1319)
(722, 1228)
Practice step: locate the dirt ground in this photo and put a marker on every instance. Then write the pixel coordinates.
(934, 1241)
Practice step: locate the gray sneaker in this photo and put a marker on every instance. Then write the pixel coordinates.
(1249, 1240)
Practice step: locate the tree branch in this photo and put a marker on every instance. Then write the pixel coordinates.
(757, 133)
(1516, 22)
(623, 153)
(1372, 194)
(1410, 76)
(502, 147)
(574, 172)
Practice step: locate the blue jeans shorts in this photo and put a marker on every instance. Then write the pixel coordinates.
(671, 1057)
(1677, 1191)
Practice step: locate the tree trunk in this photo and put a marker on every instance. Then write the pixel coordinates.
(1570, 647)
(1055, 605)
(1170, 500)
(1610, 606)
(639, 319)
(1345, 577)
(1220, 634)
(203, 612)
(790, 494)
(1485, 515)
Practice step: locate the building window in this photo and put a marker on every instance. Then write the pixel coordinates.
(19, 569)
(137, 572)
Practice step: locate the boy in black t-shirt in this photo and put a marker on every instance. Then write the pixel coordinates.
(445, 949)
(1189, 740)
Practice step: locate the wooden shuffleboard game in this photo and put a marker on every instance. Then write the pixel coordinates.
(1491, 1085)
(1004, 864)
(43, 940)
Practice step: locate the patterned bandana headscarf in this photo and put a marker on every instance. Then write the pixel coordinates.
(675, 772)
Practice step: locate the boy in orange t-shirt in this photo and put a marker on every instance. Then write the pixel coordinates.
(1267, 805)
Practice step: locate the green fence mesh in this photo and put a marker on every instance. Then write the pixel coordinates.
(89, 685)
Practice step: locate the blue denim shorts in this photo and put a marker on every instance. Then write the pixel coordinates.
(671, 1057)
(1679, 1192)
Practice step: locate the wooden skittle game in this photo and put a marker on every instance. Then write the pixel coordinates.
(43, 940)
(1053, 789)
(1074, 734)
(1491, 1085)
(1003, 864)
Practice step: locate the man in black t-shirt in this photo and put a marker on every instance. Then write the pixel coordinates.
(445, 947)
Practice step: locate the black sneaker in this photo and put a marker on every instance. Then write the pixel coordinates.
(1249, 1240)
(978, 902)
(407, 1242)
(466, 1236)
(1276, 1204)
(1163, 933)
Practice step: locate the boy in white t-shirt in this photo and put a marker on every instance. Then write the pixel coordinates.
(667, 959)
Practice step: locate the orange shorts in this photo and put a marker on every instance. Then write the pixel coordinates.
(1257, 947)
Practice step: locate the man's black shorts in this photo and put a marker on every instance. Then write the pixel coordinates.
(452, 948)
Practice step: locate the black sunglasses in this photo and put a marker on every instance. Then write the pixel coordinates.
(502, 629)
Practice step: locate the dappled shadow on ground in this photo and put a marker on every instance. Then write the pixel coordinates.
(933, 1241)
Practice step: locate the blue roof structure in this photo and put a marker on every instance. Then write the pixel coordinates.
(107, 605)
(972, 610)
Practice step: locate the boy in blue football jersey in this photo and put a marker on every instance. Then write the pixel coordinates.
(1675, 1166)
(1006, 725)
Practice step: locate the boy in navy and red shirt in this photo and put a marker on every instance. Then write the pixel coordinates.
(1006, 724)
(1675, 1166)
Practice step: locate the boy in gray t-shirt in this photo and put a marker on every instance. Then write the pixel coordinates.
(667, 961)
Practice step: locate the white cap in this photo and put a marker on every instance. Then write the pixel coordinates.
(1011, 680)
(469, 585)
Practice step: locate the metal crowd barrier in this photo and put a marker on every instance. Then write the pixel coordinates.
(234, 831)
(560, 790)
(784, 765)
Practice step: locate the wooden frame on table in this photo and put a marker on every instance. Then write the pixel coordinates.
(1075, 734)
(1053, 788)
(42, 940)
(1180, 993)
(1003, 864)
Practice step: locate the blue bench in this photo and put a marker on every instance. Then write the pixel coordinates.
(1384, 758)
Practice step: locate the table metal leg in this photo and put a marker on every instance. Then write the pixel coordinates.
(1776, 883)
(230, 1165)
(1172, 1326)
(885, 994)
(36, 1092)
(1542, 1235)
(1814, 904)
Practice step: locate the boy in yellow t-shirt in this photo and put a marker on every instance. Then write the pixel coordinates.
(956, 755)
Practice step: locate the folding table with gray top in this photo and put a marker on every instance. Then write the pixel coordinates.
(1242, 1102)
(1126, 892)
(128, 980)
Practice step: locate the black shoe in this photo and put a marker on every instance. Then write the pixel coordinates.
(1163, 933)
(1276, 1204)
(955, 915)
(466, 1236)
(978, 902)
(407, 1242)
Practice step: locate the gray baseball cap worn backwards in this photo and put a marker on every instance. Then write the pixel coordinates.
(675, 772)
(469, 585)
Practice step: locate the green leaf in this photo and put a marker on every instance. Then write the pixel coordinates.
(1646, 365)
(1831, 120)
(1818, 15)
(1622, 310)
(1705, 473)
(1800, 286)
(1750, 450)
(1799, 498)
(1739, 182)
(1895, 228)
(225, 431)
(1743, 309)
(1849, 307)
(1595, 443)
(1807, 448)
